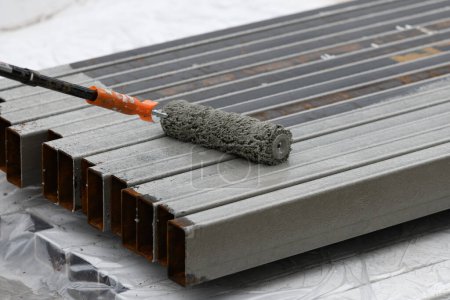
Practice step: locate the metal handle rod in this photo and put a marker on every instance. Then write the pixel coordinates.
(33, 78)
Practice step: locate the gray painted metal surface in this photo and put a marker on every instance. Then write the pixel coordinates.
(158, 156)
(149, 171)
(36, 101)
(383, 123)
(95, 259)
(50, 152)
(359, 84)
(11, 94)
(70, 151)
(57, 103)
(25, 140)
(318, 213)
(390, 113)
(112, 161)
(118, 154)
(424, 59)
(263, 181)
(34, 113)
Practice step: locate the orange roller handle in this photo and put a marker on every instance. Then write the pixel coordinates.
(123, 103)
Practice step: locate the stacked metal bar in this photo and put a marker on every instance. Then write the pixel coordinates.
(362, 86)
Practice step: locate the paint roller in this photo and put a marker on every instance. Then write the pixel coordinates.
(257, 141)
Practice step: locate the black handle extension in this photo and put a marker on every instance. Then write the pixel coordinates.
(33, 78)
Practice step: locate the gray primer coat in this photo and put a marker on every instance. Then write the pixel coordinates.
(261, 142)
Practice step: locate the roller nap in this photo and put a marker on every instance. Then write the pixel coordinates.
(261, 142)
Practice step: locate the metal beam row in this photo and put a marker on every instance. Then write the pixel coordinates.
(362, 86)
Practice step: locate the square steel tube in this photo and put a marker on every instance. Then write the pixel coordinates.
(128, 228)
(158, 169)
(273, 58)
(50, 155)
(73, 79)
(34, 113)
(343, 96)
(112, 156)
(24, 141)
(365, 122)
(70, 155)
(276, 225)
(292, 72)
(412, 104)
(97, 193)
(420, 68)
(322, 113)
(302, 167)
(150, 172)
(295, 73)
(42, 109)
(137, 224)
(266, 182)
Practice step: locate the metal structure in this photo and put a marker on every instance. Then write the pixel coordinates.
(362, 86)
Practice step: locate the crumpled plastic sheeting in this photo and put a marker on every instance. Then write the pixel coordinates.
(53, 252)
(43, 270)
(32, 267)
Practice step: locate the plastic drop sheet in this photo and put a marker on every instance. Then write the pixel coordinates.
(47, 252)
